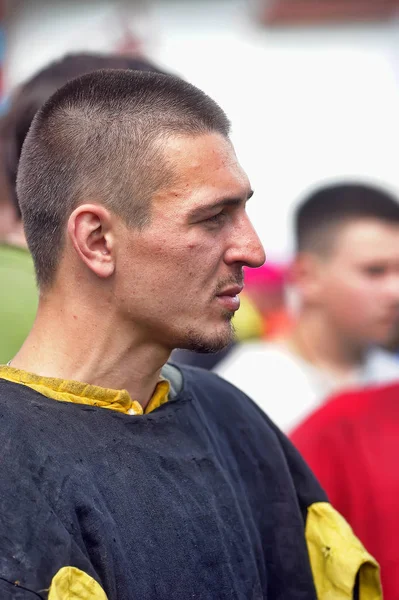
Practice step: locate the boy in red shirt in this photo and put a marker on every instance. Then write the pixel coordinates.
(352, 445)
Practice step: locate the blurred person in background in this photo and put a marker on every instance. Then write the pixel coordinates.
(346, 272)
(352, 445)
(135, 478)
(18, 299)
(265, 292)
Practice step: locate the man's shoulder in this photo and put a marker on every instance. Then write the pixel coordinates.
(369, 401)
(9, 391)
(28, 422)
(20, 401)
(25, 409)
(351, 409)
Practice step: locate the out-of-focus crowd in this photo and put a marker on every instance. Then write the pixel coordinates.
(316, 338)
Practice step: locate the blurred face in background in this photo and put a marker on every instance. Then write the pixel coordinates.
(356, 286)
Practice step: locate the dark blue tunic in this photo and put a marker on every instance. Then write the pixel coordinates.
(201, 499)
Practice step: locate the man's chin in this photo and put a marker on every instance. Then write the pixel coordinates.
(212, 343)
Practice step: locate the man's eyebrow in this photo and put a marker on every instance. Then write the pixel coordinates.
(201, 211)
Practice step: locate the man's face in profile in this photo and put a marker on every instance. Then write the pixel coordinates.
(182, 274)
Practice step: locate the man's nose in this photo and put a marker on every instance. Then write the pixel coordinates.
(246, 248)
(256, 256)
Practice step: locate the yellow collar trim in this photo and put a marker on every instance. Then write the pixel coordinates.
(77, 392)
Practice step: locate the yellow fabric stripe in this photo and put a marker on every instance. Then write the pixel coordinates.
(71, 583)
(83, 393)
(337, 556)
(159, 397)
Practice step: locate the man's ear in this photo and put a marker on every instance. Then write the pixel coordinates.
(306, 274)
(90, 231)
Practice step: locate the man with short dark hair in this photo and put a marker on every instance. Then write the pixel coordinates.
(123, 476)
(346, 272)
(18, 302)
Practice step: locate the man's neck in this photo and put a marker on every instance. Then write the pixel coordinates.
(74, 345)
(316, 341)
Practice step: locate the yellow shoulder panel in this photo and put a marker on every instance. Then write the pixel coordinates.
(71, 583)
(337, 557)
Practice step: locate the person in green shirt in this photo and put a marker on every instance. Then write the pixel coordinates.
(18, 298)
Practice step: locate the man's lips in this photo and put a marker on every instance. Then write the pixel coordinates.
(231, 291)
(229, 298)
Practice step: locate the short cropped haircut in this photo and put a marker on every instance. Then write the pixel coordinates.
(33, 93)
(320, 217)
(99, 138)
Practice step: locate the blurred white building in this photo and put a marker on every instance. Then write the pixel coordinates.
(307, 104)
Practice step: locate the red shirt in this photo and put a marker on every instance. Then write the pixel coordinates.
(352, 445)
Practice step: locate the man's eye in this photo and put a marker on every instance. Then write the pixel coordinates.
(375, 271)
(216, 219)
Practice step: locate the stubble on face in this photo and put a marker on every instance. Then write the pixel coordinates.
(212, 343)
